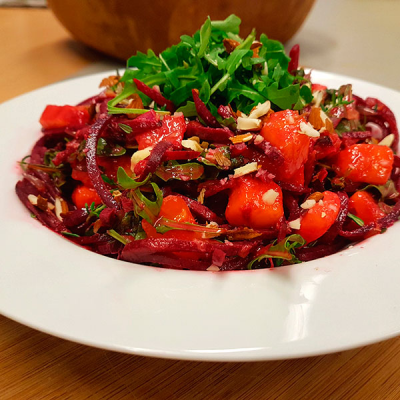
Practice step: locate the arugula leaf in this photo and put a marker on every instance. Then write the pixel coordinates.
(188, 110)
(69, 234)
(104, 149)
(356, 219)
(205, 34)
(117, 236)
(230, 24)
(387, 191)
(127, 182)
(125, 128)
(146, 208)
(284, 250)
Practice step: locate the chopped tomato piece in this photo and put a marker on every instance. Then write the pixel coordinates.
(175, 208)
(255, 204)
(282, 131)
(64, 116)
(363, 205)
(172, 129)
(111, 165)
(81, 176)
(368, 163)
(316, 86)
(83, 195)
(318, 219)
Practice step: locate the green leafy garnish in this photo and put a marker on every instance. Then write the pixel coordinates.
(388, 190)
(127, 182)
(356, 219)
(201, 62)
(146, 208)
(106, 150)
(185, 172)
(282, 251)
(125, 128)
(69, 234)
(117, 236)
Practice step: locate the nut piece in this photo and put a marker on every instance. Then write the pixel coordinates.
(241, 138)
(213, 268)
(295, 224)
(310, 203)
(221, 159)
(270, 196)
(192, 145)
(246, 169)
(230, 45)
(387, 140)
(248, 124)
(139, 156)
(307, 129)
(260, 110)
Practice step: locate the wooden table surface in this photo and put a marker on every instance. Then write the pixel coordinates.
(36, 51)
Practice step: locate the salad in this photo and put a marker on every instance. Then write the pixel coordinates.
(218, 154)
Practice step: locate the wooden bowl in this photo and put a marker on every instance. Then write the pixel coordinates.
(121, 27)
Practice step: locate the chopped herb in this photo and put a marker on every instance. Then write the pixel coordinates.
(69, 234)
(125, 128)
(356, 219)
(117, 236)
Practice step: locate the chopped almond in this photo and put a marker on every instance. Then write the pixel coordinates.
(246, 169)
(221, 159)
(241, 138)
(200, 198)
(110, 81)
(230, 45)
(248, 124)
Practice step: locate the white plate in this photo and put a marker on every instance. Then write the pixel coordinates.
(335, 303)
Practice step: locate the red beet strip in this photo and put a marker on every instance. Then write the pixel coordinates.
(155, 95)
(214, 135)
(155, 159)
(203, 112)
(168, 245)
(91, 162)
(140, 125)
(180, 155)
(294, 55)
(201, 211)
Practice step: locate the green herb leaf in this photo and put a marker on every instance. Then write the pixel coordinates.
(205, 34)
(356, 219)
(230, 24)
(282, 251)
(125, 128)
(146, 208)
(69, 234)
(117, 236)
(185, 172)
(127, 182)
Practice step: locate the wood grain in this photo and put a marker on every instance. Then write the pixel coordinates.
(36, 51)
(34, 365)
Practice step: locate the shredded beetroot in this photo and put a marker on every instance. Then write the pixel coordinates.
(273, 154)
(91, 163)
(201, 211)
(141, 125)
(163, 245)
(225, 112)
(216, 135)
(155, 158)
(203, 112)
(294, 55)
(155, 95)
(387, 115)
(23, 189)
(213, 187)
(180, 155)
(322, 250)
